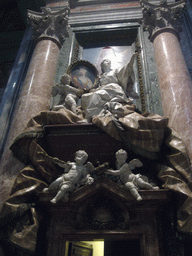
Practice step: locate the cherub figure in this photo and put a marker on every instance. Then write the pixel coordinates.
(70, 94)
(131, 181)
(75, 174)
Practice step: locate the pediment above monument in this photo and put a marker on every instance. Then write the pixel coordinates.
(109, 189)
(103, 205)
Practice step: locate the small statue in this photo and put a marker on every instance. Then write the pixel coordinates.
(131, 181)
(69, 93)
(75, 174)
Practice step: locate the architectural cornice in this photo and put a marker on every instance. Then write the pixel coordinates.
(50, 24)
(111, 16)
(129, 12)
(117, 12)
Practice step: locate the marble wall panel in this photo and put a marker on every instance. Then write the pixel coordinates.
(13, 86)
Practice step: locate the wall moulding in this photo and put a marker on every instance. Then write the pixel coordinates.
(77, 3)
(74, 3)
(109, 16)
(103, 14)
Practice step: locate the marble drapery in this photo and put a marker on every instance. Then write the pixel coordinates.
(139, 133)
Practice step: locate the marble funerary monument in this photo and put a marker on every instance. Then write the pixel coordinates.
(99, 145)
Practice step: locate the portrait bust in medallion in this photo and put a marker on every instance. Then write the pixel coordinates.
(83, 74)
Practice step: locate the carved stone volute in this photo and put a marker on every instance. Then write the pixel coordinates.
(50, 24)
(161, 16)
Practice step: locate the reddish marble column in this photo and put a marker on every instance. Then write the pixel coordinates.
(175, 83)
(35, 97)
(36, 91)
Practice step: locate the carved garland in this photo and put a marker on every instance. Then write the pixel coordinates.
(76, 52)
(140, 77)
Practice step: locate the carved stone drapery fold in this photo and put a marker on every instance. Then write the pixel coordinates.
(165, 15)
(51, 24)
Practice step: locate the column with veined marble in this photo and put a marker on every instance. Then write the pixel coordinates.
(162, 22)
(49, 30)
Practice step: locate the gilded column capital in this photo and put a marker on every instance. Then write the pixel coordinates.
(162, 16)
(50, 24)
